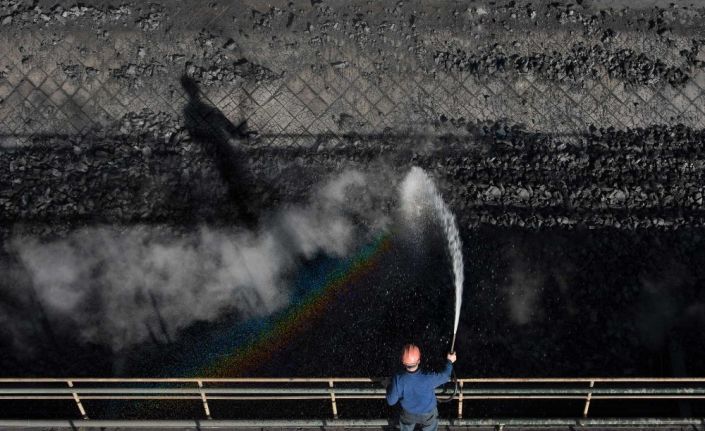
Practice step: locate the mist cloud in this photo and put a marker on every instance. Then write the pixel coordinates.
(119, 287)
(661, 302)
(523, 291)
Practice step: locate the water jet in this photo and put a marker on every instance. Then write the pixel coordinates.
(419, 198)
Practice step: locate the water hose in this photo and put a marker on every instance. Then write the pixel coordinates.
(456, 388)
(454, 379)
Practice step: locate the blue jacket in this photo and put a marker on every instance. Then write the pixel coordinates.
(416, 390)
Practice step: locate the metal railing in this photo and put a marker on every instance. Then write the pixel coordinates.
(337, 390)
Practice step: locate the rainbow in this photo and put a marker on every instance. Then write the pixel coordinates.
(242, 348)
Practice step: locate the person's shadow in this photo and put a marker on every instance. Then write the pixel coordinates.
(222, 141)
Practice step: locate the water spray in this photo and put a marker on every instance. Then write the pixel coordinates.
(419, 194)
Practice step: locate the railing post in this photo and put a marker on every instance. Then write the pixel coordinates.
(460, 401)
(78, 401)
(587, 400)
(205, 401)
(332, 400)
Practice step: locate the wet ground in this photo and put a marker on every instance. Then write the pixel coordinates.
(566, 137)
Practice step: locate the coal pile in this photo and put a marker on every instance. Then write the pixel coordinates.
(498, 174)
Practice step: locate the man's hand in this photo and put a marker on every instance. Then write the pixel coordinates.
(451, 357)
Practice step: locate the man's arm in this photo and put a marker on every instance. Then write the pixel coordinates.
(444, 376)
(393, 392)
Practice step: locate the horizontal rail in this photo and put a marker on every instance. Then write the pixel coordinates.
(342, 423)
(346, 397)
(350, 391)
(337, 390)
(347, 379)
(587, 380)
(191, 380)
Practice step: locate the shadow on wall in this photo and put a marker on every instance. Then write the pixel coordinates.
(222, 141)
(99, 176)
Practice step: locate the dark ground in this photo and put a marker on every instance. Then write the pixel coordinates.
(566, 137)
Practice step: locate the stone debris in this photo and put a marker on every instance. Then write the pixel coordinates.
(133, 74)
(579, 64)
(152, 19)
(633, 179)
(26, 13)
(238, 70)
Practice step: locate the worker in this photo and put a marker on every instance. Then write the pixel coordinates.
(415, 390)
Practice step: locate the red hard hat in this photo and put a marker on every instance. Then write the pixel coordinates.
(410, 356)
